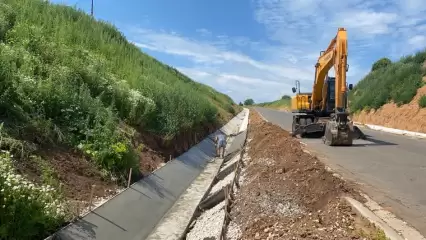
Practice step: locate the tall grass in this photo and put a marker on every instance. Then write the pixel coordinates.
(284, 102)
(67, 78)
(397, 82)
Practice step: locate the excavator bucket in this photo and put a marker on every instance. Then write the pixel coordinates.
(337, 134)
(340, 132)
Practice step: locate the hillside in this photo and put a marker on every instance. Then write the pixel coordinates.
(281, 104)
(393, 94)
(80, 106)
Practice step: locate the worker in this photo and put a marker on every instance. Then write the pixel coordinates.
(220, 141)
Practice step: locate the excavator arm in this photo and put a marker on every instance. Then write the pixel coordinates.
(335, 55)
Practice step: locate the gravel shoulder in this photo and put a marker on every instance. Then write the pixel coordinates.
(285, 193)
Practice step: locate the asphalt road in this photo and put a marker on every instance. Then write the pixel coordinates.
(390, 168)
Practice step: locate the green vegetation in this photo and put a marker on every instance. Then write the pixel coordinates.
(397, 82)
(376, 234)
(26, 210)
(422, 101)
(248, 102)
(381, 63)
(69, 80)
(284, 102)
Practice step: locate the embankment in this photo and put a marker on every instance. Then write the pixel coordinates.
(138, 210)
(393, 94)
(80, 107)
(409, 117)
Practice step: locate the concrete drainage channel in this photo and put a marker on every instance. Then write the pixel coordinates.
(204, 194)
(211, 218)
(160, 205)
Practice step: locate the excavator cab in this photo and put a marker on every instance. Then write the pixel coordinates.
(330, 88)
(330, 84)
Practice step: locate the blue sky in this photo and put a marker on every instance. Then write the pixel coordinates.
(258, 48)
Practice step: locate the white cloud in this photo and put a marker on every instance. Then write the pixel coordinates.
(218, 66)
(296, 32)
(368, 22)
(313, 23)
(417, 42)
(204, 32)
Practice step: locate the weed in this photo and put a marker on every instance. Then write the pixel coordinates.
(27, 211)
(422, 101)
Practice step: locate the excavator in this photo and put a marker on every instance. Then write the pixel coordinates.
(324, 110)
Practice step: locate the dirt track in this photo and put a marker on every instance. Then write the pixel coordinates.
(287, 194)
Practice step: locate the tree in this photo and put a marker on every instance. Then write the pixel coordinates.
(248, 102)
(285, 97)
(381, 63)
(241, 104)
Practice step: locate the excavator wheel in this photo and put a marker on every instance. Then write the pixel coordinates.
(337, 136)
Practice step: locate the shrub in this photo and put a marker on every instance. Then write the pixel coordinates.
(397, 82)
(381, 63)
(27, 211)
(248, 102)
(422, 101)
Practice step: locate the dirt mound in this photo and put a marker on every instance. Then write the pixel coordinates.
(287, 193)
(408, 117)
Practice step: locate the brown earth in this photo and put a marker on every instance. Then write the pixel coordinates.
(408, 117)
(288, 194)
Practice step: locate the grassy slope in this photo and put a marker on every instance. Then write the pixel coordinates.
(277, 104)
(71, 84)
(397, 83)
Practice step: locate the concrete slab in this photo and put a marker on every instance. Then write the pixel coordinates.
(135, 212)
(212, 200)
(222, 184)
(174, 223)
(361, 209)
(228, 167)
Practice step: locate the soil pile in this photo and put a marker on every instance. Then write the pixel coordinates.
(288, 194)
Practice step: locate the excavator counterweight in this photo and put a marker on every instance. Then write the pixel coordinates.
(324, 110)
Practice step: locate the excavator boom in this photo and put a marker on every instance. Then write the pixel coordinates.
(335, 55)
(327, 112)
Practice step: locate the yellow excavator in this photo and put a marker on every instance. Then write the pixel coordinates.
(324, 110)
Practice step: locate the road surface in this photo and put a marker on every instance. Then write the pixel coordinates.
(390, 168)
